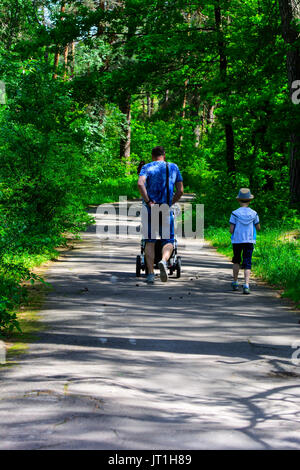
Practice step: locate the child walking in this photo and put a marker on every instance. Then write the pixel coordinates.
(243, 225)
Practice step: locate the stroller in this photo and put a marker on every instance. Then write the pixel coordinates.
(174, 263)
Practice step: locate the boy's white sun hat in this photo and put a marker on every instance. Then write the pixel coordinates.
(245, 195)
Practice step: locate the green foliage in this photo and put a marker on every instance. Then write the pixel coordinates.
(218, 193)
(187, 79)
(111, 189)
(8, 318)
(47, 145)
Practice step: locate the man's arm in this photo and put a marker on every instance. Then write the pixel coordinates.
(231, 229)
(178, 192)
(142, 189)
(257, 226)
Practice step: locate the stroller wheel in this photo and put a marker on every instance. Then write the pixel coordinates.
(138, 266)
(178, 267)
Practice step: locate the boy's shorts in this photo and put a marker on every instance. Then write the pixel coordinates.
(247, 250)
(165, 227)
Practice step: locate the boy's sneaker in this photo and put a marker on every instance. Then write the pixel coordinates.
(235, 285)
(163, 271)
(150, 278)
(246, 290)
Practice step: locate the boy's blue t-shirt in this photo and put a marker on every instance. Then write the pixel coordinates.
(244, 220)
(156, 176)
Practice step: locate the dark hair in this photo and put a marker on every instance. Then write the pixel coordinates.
(141, 164)
(158, 151)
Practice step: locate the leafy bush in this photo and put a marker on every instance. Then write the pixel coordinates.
(44, 148)
(110, 190)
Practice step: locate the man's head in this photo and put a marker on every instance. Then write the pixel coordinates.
(158, 153)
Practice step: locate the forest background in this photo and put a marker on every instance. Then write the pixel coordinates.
(89, 87)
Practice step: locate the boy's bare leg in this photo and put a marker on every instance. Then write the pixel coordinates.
(167, 251)
(247, 273)
(150, 255)
(236, 268)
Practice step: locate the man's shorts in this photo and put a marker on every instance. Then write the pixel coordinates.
(158, 222)
(247, 250)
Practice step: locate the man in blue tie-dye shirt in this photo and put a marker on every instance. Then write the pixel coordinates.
(152, 186)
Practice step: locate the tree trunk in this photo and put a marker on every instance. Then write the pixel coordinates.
(66, 52)
(290, 13)
(56, 62)
(46, 53)
(194, 113)
(184, 99)
(152, 106)
(183, 109)
(56, 56)
(125, 140)
(100, 28)
(203, 118)
(148, 105)
(210, 115)
(229, 134)
(72, 59)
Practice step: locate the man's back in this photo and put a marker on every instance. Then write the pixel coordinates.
(156, 176)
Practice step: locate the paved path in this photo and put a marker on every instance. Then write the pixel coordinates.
(183, 365)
